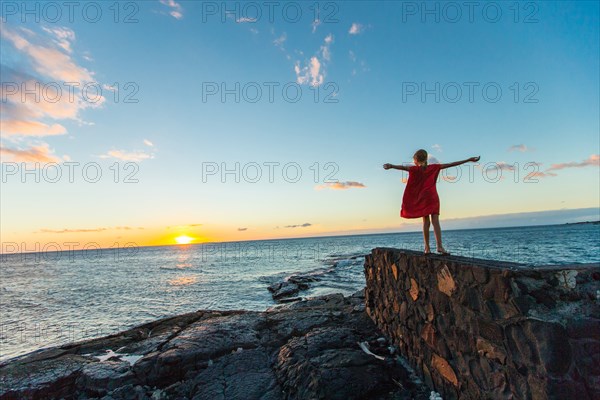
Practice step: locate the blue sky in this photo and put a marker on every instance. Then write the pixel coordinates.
(368, 53)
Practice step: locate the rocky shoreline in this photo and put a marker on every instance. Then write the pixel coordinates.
(288, 289)
(305, 350)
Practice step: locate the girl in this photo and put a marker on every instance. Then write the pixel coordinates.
(420, 196)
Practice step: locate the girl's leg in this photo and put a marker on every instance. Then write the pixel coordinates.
(426, 224)
(437, 230)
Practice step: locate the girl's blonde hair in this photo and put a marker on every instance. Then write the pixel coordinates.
(421, 156)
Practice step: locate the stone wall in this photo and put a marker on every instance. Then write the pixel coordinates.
(480, 329)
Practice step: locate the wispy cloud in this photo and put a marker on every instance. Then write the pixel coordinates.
(87, 230)
(325, 48)
(356, 28)
(315, 72)
(53, 104)
(73, 230)
(311, 70)
(520, 147)
(63, 37)
(279, 42)
(184, 226)
(437, 148)
(242, 229)
(110, 88)
(449, 178)
(304, 225)
(134, 156)
(432, 160)
(15, 127)
(245, 20)
(310, 73)
(176, 9)
(47, 60)
(362, 64)
(591, 161)
(341, 185)
(501, 166)
(40, 153)
(540, 174)
(40, 60)
(315, 24)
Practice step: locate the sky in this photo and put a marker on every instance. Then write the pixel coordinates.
(140, 122)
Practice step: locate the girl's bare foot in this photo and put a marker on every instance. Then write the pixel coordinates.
(442, 251)
(427, 250)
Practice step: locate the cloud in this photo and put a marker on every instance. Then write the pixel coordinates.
(87, 56)
(280, 41)
(63, 37)
(148, 143)
(341, 185)
(184, 226)
(242, 229)
(593, 160)
(245, 19)
(325, 49)
(134, 156)
(41, 85)
(432, 160)
(449, 178)
(28, 98)
(39, 153)
(499, 166)
(356, 29)
(304, 225)
(540, 174)
(437, 148)
(176, 9)
(73, 230)
(86, 230)
(15, 127)
(313, 71)
(315, 24)
(47, 60)
(310, 73)
(520, 147)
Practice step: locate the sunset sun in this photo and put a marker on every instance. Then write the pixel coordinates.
(184, 239)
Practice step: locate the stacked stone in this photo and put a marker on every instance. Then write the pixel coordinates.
(477, 329)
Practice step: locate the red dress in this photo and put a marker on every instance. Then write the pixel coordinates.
(420, 196)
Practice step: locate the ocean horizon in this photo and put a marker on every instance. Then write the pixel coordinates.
(49, 301)
(14, 253)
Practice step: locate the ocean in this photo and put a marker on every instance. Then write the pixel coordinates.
(55, 298)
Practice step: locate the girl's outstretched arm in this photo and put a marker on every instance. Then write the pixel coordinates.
(454, 164)
(391, 166)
